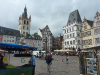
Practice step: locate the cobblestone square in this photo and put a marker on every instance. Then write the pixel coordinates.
(57, 67)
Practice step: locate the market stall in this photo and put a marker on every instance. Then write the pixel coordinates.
(88, 61)
(8, 69)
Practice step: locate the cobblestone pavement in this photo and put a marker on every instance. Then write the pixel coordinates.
(57, 67)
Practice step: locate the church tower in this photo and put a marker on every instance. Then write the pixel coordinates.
(24, 23)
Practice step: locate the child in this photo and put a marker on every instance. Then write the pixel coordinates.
(67, 59)
(62, 60)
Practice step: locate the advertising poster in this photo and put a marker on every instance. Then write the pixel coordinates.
(91, 64)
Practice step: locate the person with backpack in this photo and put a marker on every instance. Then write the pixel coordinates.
(49, 62)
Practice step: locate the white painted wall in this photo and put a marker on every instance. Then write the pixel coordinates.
(72, 38)
(39, 33)
(9, 39)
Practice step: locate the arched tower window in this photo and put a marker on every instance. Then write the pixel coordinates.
(23, 27)
(24, 21)
(27, 22)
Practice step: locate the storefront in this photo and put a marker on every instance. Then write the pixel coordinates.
(9, 69)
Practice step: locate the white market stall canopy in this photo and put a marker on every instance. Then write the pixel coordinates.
(67, 50)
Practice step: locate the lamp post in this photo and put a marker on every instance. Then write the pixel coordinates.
(46, 45)
(79, 60)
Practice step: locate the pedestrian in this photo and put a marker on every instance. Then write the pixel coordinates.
(67, 59)
(49, 62)
(1, 61)
(33, 63)
(62, 60)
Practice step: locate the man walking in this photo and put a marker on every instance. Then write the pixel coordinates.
(49, 62)
(33, 63)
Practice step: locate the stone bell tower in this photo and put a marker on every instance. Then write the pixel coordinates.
(24, 23)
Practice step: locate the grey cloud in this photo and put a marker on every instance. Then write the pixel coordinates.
(54, 13)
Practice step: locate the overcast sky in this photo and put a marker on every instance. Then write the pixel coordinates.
(54, 13)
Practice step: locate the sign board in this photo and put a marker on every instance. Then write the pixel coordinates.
(4, 59)
(91, 65)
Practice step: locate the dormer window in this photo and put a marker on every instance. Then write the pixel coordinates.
(85, 27)
(24, 21)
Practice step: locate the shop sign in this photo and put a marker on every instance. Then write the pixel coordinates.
(4, 59)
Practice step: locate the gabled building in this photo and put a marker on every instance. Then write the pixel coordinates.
(87, 34)
(9, 35)
(57, 42)
(37, 41)
(29, 40)
(45, 32)
(96, 29)
(71, 31)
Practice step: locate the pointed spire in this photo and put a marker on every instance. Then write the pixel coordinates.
(25, 12)
(97, 13)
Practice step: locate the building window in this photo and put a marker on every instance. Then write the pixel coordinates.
(65, 31)
(78, 41)
(67, 36)
(24, 21)
(27, 22)
(97, 40)
(78, 34)
(0, 40)
(96, 31)
(85, 27)
(82, 35)
(0, 36)
(77, 27)
(70, 35)
(67, 42)
(89, 33)
(23, 32)
(73, 41)
(98, 22)
(4, 40)
(27, 28)
(12, 40)
(23, 27)
(70, 29)
(73, 34)
(7, 40)
(73, 28)
(86, 42)
(90, 41)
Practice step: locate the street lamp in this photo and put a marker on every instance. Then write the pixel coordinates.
(46, 45)
(79, 59)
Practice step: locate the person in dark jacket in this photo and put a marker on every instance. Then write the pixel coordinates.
(33, 63)
(49, 61)
(1, 61)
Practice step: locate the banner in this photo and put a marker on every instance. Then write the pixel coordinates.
(91, 64)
